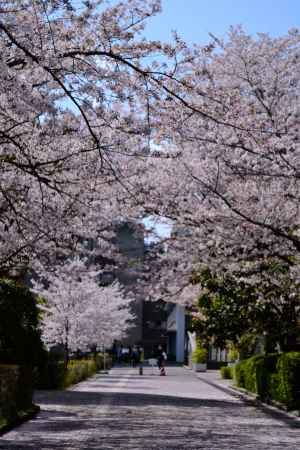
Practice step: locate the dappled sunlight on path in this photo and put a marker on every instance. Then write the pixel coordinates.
(122, 410)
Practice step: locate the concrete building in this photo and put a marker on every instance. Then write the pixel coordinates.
(176, 331)
(149, 328)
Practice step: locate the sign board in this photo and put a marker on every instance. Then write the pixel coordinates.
(152, 362)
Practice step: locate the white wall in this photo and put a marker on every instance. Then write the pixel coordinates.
(180, 335)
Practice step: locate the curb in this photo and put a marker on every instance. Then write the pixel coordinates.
(270, 405)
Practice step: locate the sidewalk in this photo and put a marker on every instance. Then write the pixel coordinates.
(123, 410)
(213, 378)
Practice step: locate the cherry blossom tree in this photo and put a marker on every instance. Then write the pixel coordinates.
(77, 313)
(228, 170)
(98, 124)
(78, 81)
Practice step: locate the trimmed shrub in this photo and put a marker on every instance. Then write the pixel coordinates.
(16, 388)
(226, 372)
(239, 376)
(274, 376)
(52, 376)
(20, 341)
(55, 376)
(245, 374)
(99, 358)
(285, 384)
(78, 371)
(254, 373)
(8, 393)
(21, 350)
(199, 355)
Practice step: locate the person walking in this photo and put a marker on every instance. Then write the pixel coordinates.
(141, 360)
(135, 357)
(161, 358)
(120, 354)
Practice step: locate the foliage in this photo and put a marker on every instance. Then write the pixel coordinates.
(8, 391)
(86, 100)
(80, 314)
(240, 310)
(233, 353)
(57, 376)
(78, 371)
(99, 359)
(254, 373)
(60, 377)
(16, 389)
(273, 377)
(20, 341)
(249, 344)
(226, 372)
(234, 171)
(285, 384)
(52, 375)
(78, 87)
(199, 355)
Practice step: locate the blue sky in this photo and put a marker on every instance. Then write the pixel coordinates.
(194, 19)
(161, 228)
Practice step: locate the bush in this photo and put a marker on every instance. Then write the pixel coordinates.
(245, 374)
(199, 355)
(78, 371)
(20, 341)
(55, 376)
(285, 384)
(274, 376)
(226, 372)
(233, 354)
(254, 373)
(8, 393)
(99, 358)
(52, 376)
(16, 388)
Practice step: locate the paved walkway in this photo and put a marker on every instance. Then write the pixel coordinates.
(122, 410)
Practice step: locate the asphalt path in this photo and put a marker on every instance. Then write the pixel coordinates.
(123, 410)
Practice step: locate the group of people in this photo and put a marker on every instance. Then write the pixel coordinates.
(135, 356)
(128, 355)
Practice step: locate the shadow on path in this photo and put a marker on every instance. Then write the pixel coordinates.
(275, 413)
(137, 400)
(74, 420)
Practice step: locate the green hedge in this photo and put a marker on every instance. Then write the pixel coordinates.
(274, 376)
(78, 371)
(254, 373)
(285, 383)
(55, 376)
(226, 372)
(16, 390)
(99, 358)
(20, 340)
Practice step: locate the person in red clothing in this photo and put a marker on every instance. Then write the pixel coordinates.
(161, 358)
